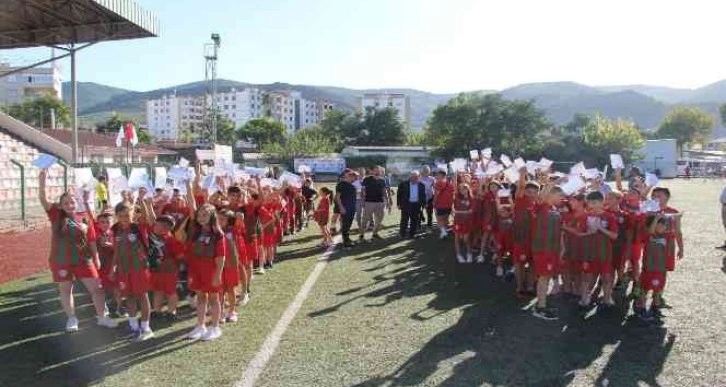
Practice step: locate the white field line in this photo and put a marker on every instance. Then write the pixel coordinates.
(263, 356)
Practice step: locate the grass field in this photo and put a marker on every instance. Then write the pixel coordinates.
(397, 313)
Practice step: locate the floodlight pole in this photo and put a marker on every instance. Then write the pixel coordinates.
(74, 105)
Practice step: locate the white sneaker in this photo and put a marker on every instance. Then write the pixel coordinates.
(500, 271)
(144, 335)
(245, 299)
(192, 301)
(107, 322)
(443, 234)
(460, 258)
(231, 317)
(469, 258)
(480, 259)
(261, 270)
(213, 333)
(198, 332)
(555, 289)
(72, 324)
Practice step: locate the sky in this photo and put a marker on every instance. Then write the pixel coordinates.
(441, 46)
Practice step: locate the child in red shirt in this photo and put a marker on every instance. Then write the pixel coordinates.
(546, 246)
(524, 203)
(653, 279)
(231, 224)
(443, 200)
(503, 235)
(463, 218)
(574, 248)
(602, 232)
(132, 269)
(322, 215)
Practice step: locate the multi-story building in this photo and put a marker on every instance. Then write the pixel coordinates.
(29, 83)
(171, 116)
(397, 101)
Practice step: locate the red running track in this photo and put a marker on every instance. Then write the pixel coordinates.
(23, 254)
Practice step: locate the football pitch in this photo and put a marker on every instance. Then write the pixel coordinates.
(393, 313)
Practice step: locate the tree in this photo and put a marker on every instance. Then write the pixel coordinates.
(381, 127)
(476, 121)
(37, 112)
(603, 137)
(225, 132)
(305, 142)
(144, 136)
(416, 138)
(686, 124)
(111, 125)
(722, 113)
(262, 131)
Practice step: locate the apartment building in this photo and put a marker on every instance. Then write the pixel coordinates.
(29, 83)
(398, 101)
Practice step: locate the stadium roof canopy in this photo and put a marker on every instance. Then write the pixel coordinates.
(33, 23)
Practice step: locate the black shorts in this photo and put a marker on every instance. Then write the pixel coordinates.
(336, 209)
(443, 212)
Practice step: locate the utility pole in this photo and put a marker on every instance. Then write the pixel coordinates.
(211, 51)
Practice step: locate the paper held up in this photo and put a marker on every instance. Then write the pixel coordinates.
(592, 173)
(545, 163)
(651, 180)
(504, 193)
(179, 173)
(519, 163)
(474, 154)
(532, 167)
(137, 178)
(512, 174)
(442, 167)
(494, 169)
(649, 206)
(505, 160)
(573, 185)
(267, 182)
(486, 153)
(304, 169)
(183, 162)
(458, 165)
(252, 171)
(578, 169)
(616, 161)
(45, 161)
(159, 177)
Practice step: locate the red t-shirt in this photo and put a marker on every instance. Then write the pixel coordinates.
(171, 249)
(206, 246)
(70, 238)
(546, 229)
(463, 204)
(130, 246)
(178, 213)
(444, 195)
(600, 246)
(523, 208)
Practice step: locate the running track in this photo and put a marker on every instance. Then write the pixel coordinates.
(23, 253)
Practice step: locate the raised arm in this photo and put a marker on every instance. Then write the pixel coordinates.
(619, 179)
(42, 196)
(191, 202)
(148, 208)
(521, 183)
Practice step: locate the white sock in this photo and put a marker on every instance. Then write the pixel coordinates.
(145, 326)
(134, 323)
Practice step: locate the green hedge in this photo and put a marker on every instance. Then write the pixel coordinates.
(355, 162)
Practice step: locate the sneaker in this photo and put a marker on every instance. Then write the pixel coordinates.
(722, 247)
(361, 237)
(480, 259)
(544, 313)
(212, 333)
(656, 312)
(192, 301)
(260, 270)
(555, 289)
(244, 300)
(469, 258)
(268, 266)
(460, 258)
(231, 317)
(144, 335)
(106, 321)
(122, 312)
(170, 316)
(72, 324)
(197, 332)
(443, 234)
(155, 315)
(500, 272)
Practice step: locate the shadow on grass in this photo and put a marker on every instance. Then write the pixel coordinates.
(496, 340)
(35, 349)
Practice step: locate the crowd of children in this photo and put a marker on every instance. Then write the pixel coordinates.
(205, 245)
(585, 244)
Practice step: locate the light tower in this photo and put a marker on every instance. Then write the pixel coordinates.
(210, 76)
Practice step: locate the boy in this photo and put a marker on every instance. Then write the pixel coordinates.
(546, 246)
(657, 252)
(603, 230)
(165, 253)
(524, 202)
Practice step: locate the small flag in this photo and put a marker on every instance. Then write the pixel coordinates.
(127, 132)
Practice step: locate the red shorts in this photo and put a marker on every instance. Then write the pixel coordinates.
(164, 283)
(65, 273)
(670, 263)
(636, 253)
(652, 281)
(135, 283)
(487, 226)
(269, 239)
(546, 264)
(252, 250)
(230, 277)
(520, 254)
(504, 243)
(617, 261)
(278, 234)
(201, 276)
(462, 228)
(106, 282)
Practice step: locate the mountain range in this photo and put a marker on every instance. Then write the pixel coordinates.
(646, 105)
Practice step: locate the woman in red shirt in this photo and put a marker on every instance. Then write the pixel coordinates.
(73, 255)
(463, 218)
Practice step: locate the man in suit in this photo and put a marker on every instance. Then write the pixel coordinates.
(411, 199)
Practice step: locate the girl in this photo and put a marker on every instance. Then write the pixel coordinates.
(104, 245)
(503, 234)
(233, 238)
(268, 223)
(322, 215)
(574, 225)
(443, 198)
(488, 217)
(206, 252)
(73, 256)
(653, 279)
(463, 222)
(132, 269)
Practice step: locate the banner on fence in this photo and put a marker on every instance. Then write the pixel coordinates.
(334, 165)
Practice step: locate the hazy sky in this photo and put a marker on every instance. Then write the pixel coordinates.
(432, 45)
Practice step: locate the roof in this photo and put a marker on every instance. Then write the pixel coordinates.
(391, 148)
(32, 23)
(721, 140)
(100, 140)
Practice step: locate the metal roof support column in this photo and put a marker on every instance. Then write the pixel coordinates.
(74, 106)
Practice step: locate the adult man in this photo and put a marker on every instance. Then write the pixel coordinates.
(358, 184)
(345, 199)
(411, 198)
(428, 182)
(375, 198)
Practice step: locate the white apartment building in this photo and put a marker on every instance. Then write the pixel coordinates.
(398, 101)
(169, 115)
(29, 83)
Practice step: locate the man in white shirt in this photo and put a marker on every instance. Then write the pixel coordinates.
(428, 181)
(723, 215)
(358, 184)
